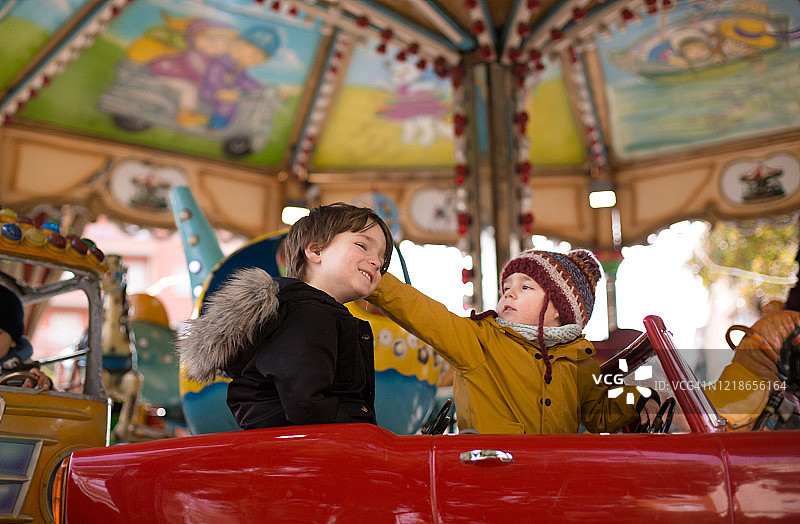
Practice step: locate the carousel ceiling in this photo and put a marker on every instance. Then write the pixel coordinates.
(315, 89)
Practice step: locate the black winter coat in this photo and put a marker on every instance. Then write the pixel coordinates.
(310, 362)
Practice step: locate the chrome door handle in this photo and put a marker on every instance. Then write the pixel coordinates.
(476, 455)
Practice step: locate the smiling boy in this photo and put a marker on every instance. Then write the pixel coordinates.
(293, 351)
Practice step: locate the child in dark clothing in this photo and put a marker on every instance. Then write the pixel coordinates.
(294, 352)
(15, 350)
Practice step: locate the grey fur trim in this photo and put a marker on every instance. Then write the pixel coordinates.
(230, 322)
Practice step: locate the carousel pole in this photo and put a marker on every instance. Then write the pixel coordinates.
(610, 267)
(473, 142)
(199, 241)
(601, 187)
(608, 224)
(493, 205)
(505, 203)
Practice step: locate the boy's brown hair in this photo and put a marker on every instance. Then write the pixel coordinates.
(322, 224)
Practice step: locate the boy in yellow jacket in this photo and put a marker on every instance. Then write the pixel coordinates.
(525, 368)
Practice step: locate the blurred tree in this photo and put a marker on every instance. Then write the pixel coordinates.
(756, 259)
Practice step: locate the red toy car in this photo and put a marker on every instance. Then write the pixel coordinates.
(364, 473)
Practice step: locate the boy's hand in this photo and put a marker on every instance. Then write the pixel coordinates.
(648, 411)
(43, 381)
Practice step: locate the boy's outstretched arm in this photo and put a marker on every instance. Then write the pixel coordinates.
(455, 338)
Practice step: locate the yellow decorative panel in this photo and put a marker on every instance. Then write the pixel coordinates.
(241, 202)
(43, 170)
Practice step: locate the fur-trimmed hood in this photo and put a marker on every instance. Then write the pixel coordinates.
(232, 318)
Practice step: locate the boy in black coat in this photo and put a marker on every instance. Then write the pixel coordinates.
(293, 351)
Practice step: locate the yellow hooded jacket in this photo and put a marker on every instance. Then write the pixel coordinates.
(499, 385)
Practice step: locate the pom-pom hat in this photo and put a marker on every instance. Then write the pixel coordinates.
(568, 281)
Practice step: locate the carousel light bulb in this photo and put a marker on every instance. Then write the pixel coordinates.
(292, 214)
(598, 199)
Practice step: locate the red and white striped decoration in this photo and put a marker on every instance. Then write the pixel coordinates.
(461, 169)
(367, 21)
(519, 29)
(461, 176)
(591, 126)
(522, 147)
(572, 21)
(479, 27)
(322, 104)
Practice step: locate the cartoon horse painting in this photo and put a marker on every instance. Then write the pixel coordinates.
(415, 104)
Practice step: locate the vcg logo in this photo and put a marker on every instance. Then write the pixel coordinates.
(641, 373)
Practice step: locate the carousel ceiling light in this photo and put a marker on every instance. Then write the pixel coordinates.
(293, 212)
(601, 194)
(599, 199)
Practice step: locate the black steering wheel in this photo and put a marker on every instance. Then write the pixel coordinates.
(661, 423)
(440, 422)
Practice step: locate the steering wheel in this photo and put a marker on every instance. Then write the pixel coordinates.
(440, 422)
(660, 423)
(19, 375)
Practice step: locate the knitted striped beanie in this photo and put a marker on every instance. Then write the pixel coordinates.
(569, 280)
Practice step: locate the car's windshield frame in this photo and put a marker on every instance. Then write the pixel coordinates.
(699, 412)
